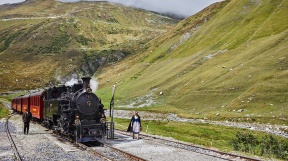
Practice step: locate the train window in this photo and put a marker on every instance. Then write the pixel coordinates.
(54, 94)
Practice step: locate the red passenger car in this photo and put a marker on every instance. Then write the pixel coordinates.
(18, 104)
(37, 104)
(13, 104)
(25, 103)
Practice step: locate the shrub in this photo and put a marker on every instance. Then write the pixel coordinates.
(267, 145)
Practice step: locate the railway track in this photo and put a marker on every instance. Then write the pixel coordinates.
(105, 151)
(9, 136)
(193, 148)
(16, 153)
(111, 153)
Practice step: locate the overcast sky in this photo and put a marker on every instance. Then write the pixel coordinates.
(181, 7)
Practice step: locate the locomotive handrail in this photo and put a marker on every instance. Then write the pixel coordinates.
(89, 125)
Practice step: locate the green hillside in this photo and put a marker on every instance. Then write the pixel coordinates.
(44, 41)
(227, 62)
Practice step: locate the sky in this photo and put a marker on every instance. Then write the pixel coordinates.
(181, 7)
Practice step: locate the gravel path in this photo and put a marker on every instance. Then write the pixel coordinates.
(6, 152)
(37, 145)
(41, 144)
(151, 150)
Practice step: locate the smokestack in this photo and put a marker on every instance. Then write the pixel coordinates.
(86, 82)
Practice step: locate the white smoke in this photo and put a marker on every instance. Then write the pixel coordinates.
(75, 80)
(71, 82)
(94, 84)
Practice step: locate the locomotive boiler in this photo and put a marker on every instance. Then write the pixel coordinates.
(62, 104)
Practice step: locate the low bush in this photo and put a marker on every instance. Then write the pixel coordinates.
(267, 145)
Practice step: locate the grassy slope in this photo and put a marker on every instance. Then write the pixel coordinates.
(206, 135)
(236, 60)
(43, 33)
(3, 111)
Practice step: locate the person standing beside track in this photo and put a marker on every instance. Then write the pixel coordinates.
(26, 118)
(77, 124)
(135, 125)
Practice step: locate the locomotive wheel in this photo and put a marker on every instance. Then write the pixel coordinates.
(65, 122)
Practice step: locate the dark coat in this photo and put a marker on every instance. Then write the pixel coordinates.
(26, 117)
(130, 128)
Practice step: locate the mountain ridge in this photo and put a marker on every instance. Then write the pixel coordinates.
(227, 62)
(86, 35)
(235, 60)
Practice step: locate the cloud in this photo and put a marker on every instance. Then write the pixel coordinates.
(10, 1)
(181, 7)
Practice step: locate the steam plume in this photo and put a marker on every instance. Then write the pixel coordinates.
(94, 84)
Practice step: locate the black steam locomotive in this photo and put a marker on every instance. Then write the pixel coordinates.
(64, 104)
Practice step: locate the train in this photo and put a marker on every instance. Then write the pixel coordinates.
(58, 107)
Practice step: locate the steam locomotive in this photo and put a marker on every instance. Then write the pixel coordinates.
(58, 107)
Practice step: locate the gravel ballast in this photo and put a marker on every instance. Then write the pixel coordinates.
(36, 146)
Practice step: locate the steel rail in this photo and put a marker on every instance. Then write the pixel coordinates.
(194, 146)
(17, 155)
(93, 151)
(134, 157)
(131, 156)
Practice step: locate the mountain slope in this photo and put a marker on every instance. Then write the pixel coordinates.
(46, 41)
(229, 61)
